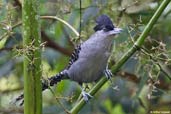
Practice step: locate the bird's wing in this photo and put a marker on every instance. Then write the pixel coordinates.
(74, 55)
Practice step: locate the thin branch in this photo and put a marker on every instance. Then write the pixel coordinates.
(50, 43)
(7, 91)
(135, 79)
(162, 67)
(47, 17)
(6, 49)
(11, 110)
(54, 45)
(18, 4)
(62, 21)
(129, 76)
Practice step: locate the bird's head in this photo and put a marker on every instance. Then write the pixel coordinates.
(104, 24)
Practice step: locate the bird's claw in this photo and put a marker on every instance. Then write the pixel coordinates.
(86, 96)
(108, 74)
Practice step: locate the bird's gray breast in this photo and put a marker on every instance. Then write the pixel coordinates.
(92, 61)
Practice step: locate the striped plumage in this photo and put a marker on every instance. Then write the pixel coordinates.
(74, 56)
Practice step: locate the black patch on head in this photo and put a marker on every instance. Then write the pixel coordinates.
(104, 23)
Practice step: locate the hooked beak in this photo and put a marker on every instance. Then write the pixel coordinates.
(116, 31)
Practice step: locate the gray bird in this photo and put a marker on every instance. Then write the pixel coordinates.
(88, 62)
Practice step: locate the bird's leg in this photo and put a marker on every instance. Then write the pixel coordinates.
(87, 87)
(86, 96)
(108, 73)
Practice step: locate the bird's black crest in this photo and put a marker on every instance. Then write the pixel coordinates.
(104, 23)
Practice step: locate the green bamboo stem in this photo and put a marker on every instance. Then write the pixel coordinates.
(62, 21)
(32, 58)
(46, 17)
(125, 57)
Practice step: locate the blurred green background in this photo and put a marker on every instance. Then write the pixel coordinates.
(140, 87)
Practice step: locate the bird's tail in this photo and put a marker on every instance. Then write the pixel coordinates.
(46, 84)
(54, 80)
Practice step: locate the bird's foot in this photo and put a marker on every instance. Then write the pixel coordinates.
(108, 74)
(86, 96)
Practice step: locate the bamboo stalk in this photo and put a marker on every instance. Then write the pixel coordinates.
(32, 58)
